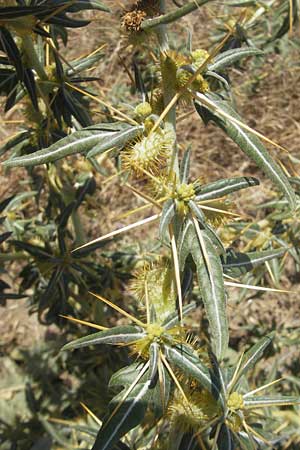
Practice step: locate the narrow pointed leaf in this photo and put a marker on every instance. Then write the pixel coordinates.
(113, 336)
(173, 319)
(118, 140)
(80, 5)
(185, 166)
(167, 215)
(230, 57)
(264, 402)
(153, 360)
(129, 415)
(254, 354)
(11, 143)
(249, 144)
(220, 188)
(190, 364)
(236, 264)
(9, 46)
(125, 376)
(78, 142)
(197, 212)
(30, 85)
(210, 278)
(185, 242)
(225, 439)
(33, 250)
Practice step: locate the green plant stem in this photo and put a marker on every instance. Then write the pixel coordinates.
(174, 15)
(32, 57)
(168, 93)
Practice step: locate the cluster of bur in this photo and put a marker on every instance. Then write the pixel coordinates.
(176, 384)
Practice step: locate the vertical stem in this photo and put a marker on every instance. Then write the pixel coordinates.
(32, 56)
(168, 92)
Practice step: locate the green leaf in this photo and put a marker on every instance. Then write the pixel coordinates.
(34, 250)
(254, 354)
(230, 57)
(197, 212)
(183, 358)
(185, 242)
(173, 319)
(224, 187)
(225, 440)
(78, 142)
(159, 391)
(236, 264)
(126, 376)
(15, 140)
(248, 143)
(113, 336)
(167, 215)
(80, 5)
(118, 140)
(185, 166)
(210, 279)
(78, 65)
(129, 414)
(265, 402)
(153, 360)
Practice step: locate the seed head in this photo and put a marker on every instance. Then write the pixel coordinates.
(143, 110)
(199, 56)
(151, 152)
(132, 20)
(235, 401)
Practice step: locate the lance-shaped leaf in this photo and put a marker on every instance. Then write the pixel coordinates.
(128, 415)
(230, 57)
(160, 390)
(265, 402)
(118, 140)
(220, 188)
(15, 140)
(153, 363)
(167, 215)
(8, 45)
(113, 336)
(33, 250)
(236, 264)
(78, 142)
(185, 166)
(190, 364)
(253, 355)
(173, 319)
(195, 209)
(185, 242)
(225, 439)
(215, 239)
(80, 5)
(125, 376)
(210, 278)
(247, 141)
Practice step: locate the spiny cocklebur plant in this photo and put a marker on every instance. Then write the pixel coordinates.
(263, 23)
(278, 231)
(165, 365)
(48, 89)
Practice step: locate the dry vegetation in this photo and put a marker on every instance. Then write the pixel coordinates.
(269, 100)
